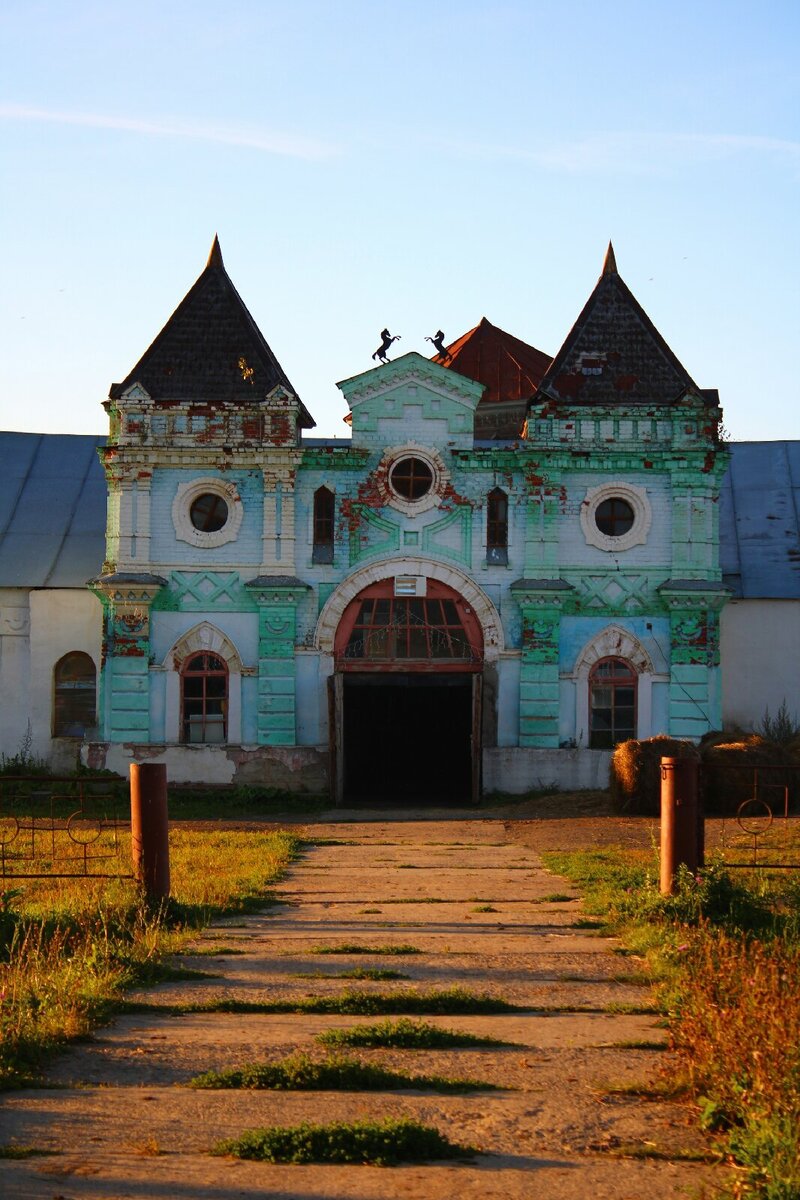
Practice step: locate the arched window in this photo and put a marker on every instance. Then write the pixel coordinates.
(204, 699)
(612, 703)
(383, 631)
(323, 526)
(74, 695)
(497, 526)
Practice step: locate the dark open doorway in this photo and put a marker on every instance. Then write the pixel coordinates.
(407, 738)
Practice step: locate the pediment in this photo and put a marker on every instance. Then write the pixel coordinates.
(136, 392)
(398, 379)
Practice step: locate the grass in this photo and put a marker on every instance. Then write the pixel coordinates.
(725, 953)
(353, 1003)
(358, 948)
(374, 973)
(70, 948)
(404, 1034)
(301, 1073)
(382, 1143)
(650, 1151)
(484, 908)
(12, 1150)
(241, 803)
(210, 951)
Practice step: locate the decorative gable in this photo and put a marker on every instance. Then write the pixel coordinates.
(412, 397)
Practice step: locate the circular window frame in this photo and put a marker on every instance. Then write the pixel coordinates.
(440, 477)
(634, 496)
(185, 497)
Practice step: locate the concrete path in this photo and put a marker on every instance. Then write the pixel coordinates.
(122, 1124)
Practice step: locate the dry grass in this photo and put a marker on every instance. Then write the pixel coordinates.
(70, 947)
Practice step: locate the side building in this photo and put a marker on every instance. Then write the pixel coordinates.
(513, 564)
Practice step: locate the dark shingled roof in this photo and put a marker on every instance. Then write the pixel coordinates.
(210, 350)
(615, 355)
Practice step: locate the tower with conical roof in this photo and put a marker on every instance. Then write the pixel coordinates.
(201, 464)
(622, 549)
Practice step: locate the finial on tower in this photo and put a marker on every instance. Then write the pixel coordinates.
(610, 264)
(215, 257)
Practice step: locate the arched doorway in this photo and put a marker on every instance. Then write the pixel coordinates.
(405, 695)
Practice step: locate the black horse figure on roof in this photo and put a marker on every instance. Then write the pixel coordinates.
(386, 341)
(438, 341)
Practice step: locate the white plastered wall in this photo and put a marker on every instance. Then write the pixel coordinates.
(760, 652)
(15, 669)
(62, 620)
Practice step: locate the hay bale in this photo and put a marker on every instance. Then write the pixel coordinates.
(636, 772)
(734, 770)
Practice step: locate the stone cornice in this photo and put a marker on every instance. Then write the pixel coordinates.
(127, 587)
(693, 593)
(131, 461)
(271, 589)
(541, 593)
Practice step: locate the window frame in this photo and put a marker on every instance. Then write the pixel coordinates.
(497, 527)
(627, 680)
(635, 497)
(411, 461)
(62, 690)
(323, 525)
(206, 719)
(186, 496)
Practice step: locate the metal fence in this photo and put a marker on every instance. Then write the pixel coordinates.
(64, 828)
(758, 829)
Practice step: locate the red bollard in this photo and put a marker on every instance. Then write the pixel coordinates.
(682, 827)
(150, 828)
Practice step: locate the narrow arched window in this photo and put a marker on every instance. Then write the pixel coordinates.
(204, 699)
(323, 526)
(74, 695)
(497, 526)
(612, 703)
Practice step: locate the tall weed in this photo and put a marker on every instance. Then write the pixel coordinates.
(738, 1032)
(727, 952)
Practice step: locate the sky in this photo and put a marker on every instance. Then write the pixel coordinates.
(416, 165)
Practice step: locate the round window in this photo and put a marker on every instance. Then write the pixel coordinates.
(208, 512)
(411, 478)
(614, 517)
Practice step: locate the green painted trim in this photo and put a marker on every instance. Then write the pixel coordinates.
(462, 514)
(334, 458)
(368, 518)
(225, 593)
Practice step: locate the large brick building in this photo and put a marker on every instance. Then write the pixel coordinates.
(513, 563)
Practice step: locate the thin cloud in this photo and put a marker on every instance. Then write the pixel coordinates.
(639, 153)
(268, 143)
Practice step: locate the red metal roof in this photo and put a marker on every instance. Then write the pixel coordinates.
(508, 368)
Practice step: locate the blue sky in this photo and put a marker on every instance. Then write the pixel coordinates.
(418, 165)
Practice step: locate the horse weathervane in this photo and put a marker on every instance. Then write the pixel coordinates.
(438, 341)
(386, 341)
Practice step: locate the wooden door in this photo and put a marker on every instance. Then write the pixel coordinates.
(335, 737)
(476, 739)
